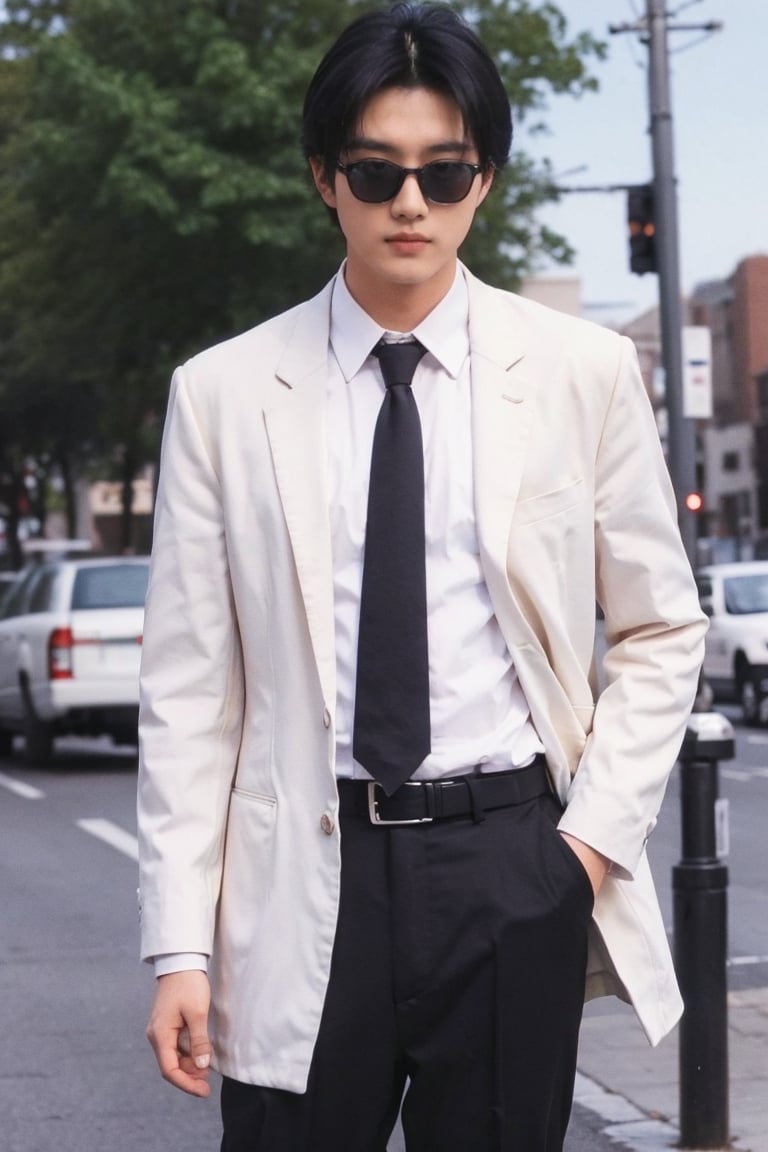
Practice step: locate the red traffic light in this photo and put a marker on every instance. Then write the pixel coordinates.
(642, 229)
(694, 501)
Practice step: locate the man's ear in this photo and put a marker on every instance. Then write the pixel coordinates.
(486, 185)
(326, 190)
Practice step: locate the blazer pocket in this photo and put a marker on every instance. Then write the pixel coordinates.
(253, 797)
(548, 504)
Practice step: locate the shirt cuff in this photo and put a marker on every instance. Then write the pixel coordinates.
(180, 962)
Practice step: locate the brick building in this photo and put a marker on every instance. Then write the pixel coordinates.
(736, 311)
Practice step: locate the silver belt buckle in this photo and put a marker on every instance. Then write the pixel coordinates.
(373, 808)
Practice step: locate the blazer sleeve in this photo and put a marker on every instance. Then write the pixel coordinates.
(654, 631)
(192, 692)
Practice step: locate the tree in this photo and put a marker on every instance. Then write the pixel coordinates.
(153, 197)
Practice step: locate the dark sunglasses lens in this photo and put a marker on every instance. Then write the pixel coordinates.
(374, 181)
(447, 181)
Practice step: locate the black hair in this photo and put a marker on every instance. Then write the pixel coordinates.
(406, 46)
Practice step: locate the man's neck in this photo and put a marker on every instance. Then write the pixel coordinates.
(400, 307)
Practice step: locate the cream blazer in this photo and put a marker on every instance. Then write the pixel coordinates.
(237, 801)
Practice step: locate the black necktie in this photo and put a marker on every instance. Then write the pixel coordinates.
(391, 730)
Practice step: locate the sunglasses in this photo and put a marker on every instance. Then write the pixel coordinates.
(442, 182)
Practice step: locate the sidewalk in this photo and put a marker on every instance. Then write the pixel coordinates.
(635, 1087)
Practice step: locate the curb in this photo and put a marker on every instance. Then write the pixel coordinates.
(627, 1125)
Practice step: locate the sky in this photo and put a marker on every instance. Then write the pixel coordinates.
(719, 87)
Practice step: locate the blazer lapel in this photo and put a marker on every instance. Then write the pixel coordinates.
(502, 411)
(296, 426)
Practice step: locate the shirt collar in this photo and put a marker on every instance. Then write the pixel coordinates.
(444, 332)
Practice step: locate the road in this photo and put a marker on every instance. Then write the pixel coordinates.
(76, 1074)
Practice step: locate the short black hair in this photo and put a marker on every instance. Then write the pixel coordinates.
(406, 46)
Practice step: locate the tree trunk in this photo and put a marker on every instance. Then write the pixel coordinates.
(128, 473)
(40, 502)
(12, 542)
(70, 497)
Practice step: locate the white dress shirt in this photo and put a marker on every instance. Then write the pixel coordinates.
(478, 713)
(479, 716)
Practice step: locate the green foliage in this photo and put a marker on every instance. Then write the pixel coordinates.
(153, 197)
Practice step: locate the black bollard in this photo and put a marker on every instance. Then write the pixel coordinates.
(700, 885)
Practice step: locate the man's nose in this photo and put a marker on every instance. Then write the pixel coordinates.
(410, 200)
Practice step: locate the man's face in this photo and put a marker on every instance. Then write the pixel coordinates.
(408, 243)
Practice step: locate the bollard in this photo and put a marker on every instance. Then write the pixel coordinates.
(699, 884)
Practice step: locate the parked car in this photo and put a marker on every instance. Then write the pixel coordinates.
(735, 597)
(70, 645)
(6, 580)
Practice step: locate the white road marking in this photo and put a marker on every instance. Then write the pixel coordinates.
(113, 835)
(20, 788)
(744, 774)
(735, 774)
(740, 961)
(756, 739)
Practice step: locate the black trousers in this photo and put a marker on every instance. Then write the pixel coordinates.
(456, 990)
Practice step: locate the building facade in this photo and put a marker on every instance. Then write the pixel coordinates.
(736, 312)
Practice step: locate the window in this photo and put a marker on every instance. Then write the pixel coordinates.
(731, 461)
(746, 594)
(704, 584)
(41, 597)
(110, 586)
(15, 603)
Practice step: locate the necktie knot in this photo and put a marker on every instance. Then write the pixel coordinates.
(398, 361)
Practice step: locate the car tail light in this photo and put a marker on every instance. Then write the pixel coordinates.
(60, 654)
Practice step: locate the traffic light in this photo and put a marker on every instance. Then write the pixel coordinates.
(642, 229)
(694, 502)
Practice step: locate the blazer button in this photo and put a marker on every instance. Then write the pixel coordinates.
(326, 718)
(327, 823)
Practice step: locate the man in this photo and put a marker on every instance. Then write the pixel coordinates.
(425, 939)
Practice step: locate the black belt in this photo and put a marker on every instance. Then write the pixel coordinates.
(422, 801)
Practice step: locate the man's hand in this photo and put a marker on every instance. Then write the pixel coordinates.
(178, 1030)
(595, 864)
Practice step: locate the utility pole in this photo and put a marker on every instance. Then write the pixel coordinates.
(682, 435)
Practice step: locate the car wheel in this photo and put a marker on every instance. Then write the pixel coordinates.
(38, 738)
(749, 697)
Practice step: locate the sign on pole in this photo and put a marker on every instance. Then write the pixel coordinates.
(697, 373)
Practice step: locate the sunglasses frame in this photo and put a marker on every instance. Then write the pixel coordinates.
(402, 172)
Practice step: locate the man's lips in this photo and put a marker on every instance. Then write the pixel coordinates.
(408, 241)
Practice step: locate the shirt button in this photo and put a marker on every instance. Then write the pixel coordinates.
(327, 823)
(326, 718)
